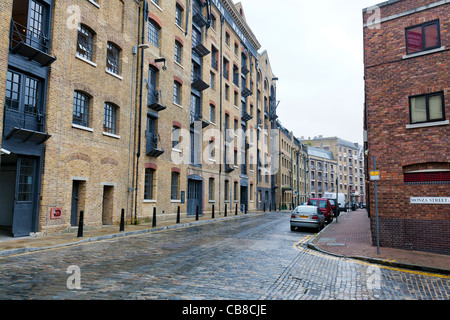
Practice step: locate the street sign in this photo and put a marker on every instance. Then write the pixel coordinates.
(374, 175)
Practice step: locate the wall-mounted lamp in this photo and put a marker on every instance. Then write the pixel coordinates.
(162, 60)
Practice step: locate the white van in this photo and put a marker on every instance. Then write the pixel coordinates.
(341, 199)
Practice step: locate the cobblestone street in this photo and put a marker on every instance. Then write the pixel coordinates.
(250, 258)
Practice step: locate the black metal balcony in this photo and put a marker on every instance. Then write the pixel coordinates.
(200, 49)
(229, 168)
(198, 83)
(153, 100)
(24, 126)
(153, 147)
(198, 118)
(245, 116)
(30, 43)
(244, 69)
(246, 92)
(198, 18)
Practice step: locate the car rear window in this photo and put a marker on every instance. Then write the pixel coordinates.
(323, 204)
(307, 209)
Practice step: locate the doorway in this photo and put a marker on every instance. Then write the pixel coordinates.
(194, 195)
(18, 194)
(78, 199)
(244, 198)
(108, 207)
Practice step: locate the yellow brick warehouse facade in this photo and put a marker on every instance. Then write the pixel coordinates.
(88, 164)
(137, 98)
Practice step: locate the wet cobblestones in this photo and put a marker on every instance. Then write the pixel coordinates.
(249, 258)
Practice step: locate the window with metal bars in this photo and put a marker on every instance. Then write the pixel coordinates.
(85, 43)
(112, 58)
(110, 118)
(174, 186)
(81, 107)
(149, 184)
(153, 33)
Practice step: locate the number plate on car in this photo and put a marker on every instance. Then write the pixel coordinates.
(303, 217)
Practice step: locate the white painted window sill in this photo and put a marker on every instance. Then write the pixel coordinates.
(428, 124)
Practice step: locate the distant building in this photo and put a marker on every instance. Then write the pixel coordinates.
(322, 172)
(291, 180)
(407, 107)
(349, 168)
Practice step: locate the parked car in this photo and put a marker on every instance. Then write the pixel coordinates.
(340, 197)
(324, 205)
(307, 216)
(334, 207)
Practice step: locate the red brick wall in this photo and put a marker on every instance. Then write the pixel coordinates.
(390, 81)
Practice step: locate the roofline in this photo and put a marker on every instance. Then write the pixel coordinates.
(382, 4)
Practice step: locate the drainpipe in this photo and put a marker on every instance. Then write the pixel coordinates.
(219, 64)
(138, 154)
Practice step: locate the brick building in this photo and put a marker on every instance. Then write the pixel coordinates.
(291, 179)
(407, 67)
(349, 166)
(322, 172)
(134, 105)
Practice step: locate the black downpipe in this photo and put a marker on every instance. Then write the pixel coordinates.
(219, 63)
(138, 154)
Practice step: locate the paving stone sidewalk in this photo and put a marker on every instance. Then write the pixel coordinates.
(350, 237)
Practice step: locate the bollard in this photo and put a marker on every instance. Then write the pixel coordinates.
(212, 211)
(154, 217)
(178, 214)
(246, 207)
(264, 206)
(270, 206)
(225, 210)
(196, 214)
(122, 221)
(236, 212)
(80, 225)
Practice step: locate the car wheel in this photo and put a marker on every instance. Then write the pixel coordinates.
(292, 228)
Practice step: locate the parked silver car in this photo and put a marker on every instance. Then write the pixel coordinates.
(307, 216)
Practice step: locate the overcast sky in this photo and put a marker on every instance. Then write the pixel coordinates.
(316, 50)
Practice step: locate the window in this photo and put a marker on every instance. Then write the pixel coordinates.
(112, 58)
(149, 184)
(211, 80)
(177, 92)
(178, 15)
(423, 37)
(175, 137)
(213, 22)
(212, 154)
(174, 186)
(153, 33)
(22, 93)
(85, 43)
(427, 108)
(25, 185)
(227, 92)
(110, 118)
(212, 113)
(81, 106)
(178, 50)
(227, 38)
(227, 190)
(211, 189)
(226, 66)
